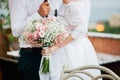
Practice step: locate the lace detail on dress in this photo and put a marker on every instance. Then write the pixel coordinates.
(77, 15)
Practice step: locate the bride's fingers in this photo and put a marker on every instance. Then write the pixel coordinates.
(43, 51)
(54, 48)
(46, 51)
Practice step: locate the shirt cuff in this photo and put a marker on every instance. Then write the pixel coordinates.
(36, 15)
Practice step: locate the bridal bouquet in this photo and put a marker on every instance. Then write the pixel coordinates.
(43, 31)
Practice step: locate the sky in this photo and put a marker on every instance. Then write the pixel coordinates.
(102, 9)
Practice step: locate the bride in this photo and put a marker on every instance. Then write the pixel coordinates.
(76, 50)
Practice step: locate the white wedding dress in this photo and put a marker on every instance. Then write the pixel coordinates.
(79, 52)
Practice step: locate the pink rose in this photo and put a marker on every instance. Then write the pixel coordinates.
(36, 35)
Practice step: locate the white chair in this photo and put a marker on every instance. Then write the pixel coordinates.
(68, 73)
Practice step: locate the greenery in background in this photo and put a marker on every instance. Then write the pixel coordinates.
(5, 16)
(108, 29)
(4, 11)
(0, 25)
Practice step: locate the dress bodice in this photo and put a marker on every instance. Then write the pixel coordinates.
(75, 16)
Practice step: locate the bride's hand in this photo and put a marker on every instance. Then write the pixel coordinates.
(68, 1)
(49, 50)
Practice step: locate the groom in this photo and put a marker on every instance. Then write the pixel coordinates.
(20, 13)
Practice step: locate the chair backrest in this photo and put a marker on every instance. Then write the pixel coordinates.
(68, 73)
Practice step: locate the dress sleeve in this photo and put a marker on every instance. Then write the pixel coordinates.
(77, 15)
(19, 16)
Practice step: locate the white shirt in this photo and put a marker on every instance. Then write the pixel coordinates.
(74, 13)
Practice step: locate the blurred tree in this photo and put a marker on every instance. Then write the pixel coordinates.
(6, 37)
(4, 12)
(108, 29)
(3, 45)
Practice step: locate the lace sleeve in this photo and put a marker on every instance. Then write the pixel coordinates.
(77, 15)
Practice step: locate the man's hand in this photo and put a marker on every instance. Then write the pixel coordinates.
(34, 43)
(44, 9)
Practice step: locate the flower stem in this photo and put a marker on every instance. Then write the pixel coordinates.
(45, 66)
